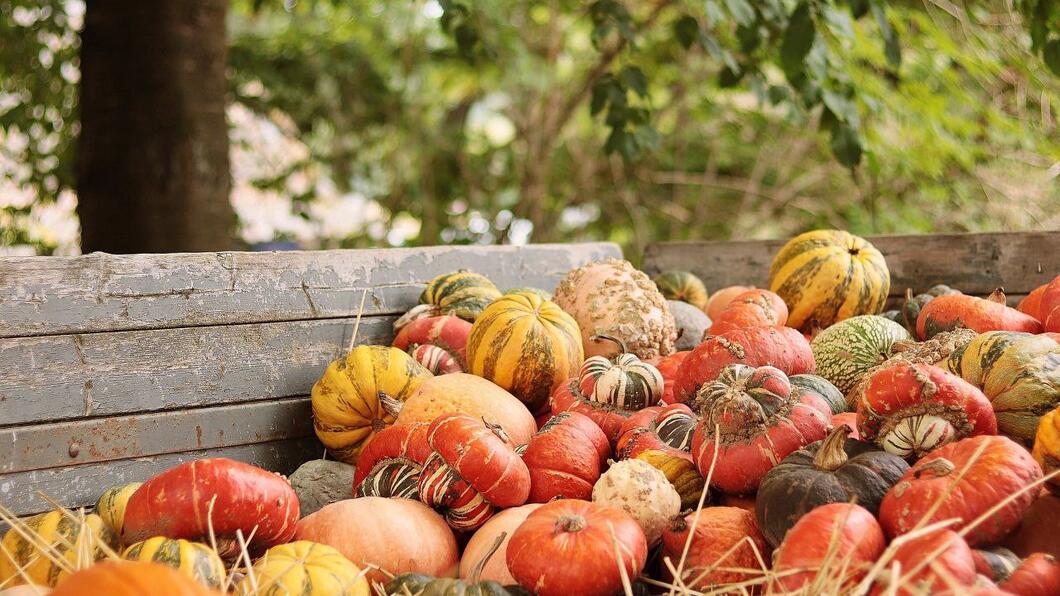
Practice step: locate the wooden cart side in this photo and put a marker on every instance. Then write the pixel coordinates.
(114, 367)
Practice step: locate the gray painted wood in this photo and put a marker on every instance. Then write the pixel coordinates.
(973, 263)
(80, 486)
(60, 377)
(54, 445)
(103, 292)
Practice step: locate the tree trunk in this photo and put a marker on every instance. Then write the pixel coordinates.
(152, 170)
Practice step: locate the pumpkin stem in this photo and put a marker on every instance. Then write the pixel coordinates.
(390, 405)
(831, 455)
(998, 295)
(476, 571)
(601, 336)
(938, 467)
(497, 430)
(678, 523)
(570, 523)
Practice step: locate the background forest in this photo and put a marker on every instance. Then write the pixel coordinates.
(364, 123)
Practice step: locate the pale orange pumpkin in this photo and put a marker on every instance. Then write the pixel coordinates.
(720, 299)
(496, 568)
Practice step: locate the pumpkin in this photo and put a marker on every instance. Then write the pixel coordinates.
(1039, 528)
(681, 472)
(946, 313)
(1049, 308)
(390, 464)
(642, 491)
(526, 345)
(836, 470)
(667, 428)
(471, 395)
(753, 308)
(929, 564)
(1019, 373)
(846, 351)
(193, 559)
(565, 458)
(587, 538)
(668, 369)
(478, 550)
(305, 568)
(1004, 468)
(347, 407)
(850, 419)
(625, 381)
(1031, 304)
(719, 539)
(395, 535)
(996, 563)
(436, 360)
(447, 333)
(911, 409)
(471, 471)
(750, 421)
(691, 323)
(780, 347)
(416, 313)
(610, 297)
(182, 501)
(820, 387)
(425, 585)
(826, 276)
(832, 544)
(1037, 574)
(1047, 446)
(111, 504)
(66, 535)
(567, 397)
(462, 293)
(720, 300)
(683, 286)
(130, 578)
(912, 305)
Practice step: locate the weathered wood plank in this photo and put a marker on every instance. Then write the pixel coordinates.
(59, 377)
(973, 263)
(103, 292)
(80, 442)
(80, 486)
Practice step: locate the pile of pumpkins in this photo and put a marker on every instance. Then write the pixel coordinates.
(626, 433)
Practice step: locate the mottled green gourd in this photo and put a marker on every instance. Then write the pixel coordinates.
(683, 286)
(462, 293)
(193, 559)
(847, 350)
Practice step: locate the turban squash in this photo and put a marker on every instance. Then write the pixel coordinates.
(447, 335)
(58, 528)
(720, 299)
(525, 344)
(668, 369)
(683, 286)
(565, 458)
(825, 276)
(390, 464)
(667, 428)
(462, 293)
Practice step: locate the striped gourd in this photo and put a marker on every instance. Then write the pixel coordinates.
(683, 286)
(526, 345)
(461, 293)
(111, 504)
(625, 381)
(826, 276)
(194, 560)
(681, 473)
(347, 409)
(68, 537)
(307, 569)
(847, 350)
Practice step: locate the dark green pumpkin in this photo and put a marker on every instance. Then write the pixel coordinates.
(912, 305)
(821, 387)
(682, 286)
(834, 470)
(417, 584)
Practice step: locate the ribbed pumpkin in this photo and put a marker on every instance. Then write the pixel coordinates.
(64, 534)
(130, 578)
(625, 381)
(1049, 307)
(826, 276)
(565, 458)
(1018, 372)
(683, 286)
(525, 344)
(681, 472)
(111, 504)
(347, 409)
(193, 559)
(307, 569)
(462, 293)
(847, 350)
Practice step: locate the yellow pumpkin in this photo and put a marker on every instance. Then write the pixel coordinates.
(111, 504)
(826, 276)
(194, 560)
(305, 568)
(1047, 446)
(69, 538)
(347, 407)
(525, 344)
(681, 473)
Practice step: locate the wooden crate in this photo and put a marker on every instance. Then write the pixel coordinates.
(114, 368)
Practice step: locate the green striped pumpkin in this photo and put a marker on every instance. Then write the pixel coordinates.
(683, 286)
(63, 532)
(847, 350)
(461, 293)
(826, 276)
(111, 504)
(194, 560)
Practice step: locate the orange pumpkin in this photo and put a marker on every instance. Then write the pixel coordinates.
(1037, 574)
(721, 537)
(841, 537)
(130, 578)
(1049, 310)
(954, 311)
(929, 564)
(721, 299)
(496, 568)
(753, 308)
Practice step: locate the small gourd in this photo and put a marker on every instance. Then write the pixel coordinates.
(111, 504)
(193, 559)
(642, 491)
(625, 381)
(306, 568)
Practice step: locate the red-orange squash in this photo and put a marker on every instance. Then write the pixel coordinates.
(721, 540)
(130, 578)
(1002, 468)
(391, 462)
(668, 369)
(753, 308)
(838, 537)
(565, 458)
(1049, 310)
(720, 300)
(666, 428)
(947, 313)
(1038, 574)
(446, 332)
(1032, 303)
(572, 547)
(929, 564)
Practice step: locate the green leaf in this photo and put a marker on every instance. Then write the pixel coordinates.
(635, 79)
(686, 30)
(1051, 55)
(844, 108)
(717, 52)
(778, 94)
(741, 10)
(797, 41)
(838, 21)
(891, 49)
(729, 77)
(846, 144)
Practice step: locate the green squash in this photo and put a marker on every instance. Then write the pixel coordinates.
(912, 305)
(462, 293)
(822, 388)
(847, 350)
(425, 585)
(682, 286)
